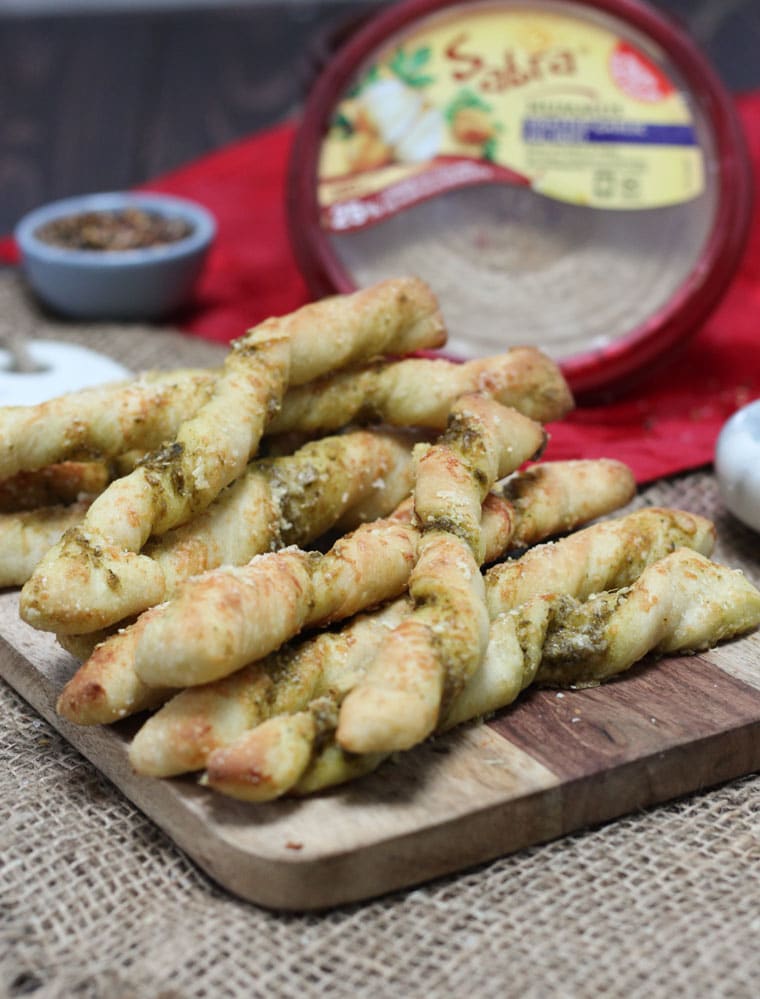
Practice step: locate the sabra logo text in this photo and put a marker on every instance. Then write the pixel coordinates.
(514, 69)
(637, 77)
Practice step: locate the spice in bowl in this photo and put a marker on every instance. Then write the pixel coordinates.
(114, 230)
(117, 255)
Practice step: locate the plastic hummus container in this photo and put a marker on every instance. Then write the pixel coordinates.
(565, 174)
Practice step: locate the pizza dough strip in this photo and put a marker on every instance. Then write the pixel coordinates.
(288, 500)
(420, 392)
(103, 421)
(26, 536)
(139, 416)
(221, 620)
(212, 448)
(89, 699)
(650, 533)
(55, 485)
(293, 499)
(429, 658)
(681, 603)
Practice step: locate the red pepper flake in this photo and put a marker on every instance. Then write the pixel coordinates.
(291, 845)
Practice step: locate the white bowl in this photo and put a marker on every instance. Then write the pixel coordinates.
(143, 283)
(737, 464)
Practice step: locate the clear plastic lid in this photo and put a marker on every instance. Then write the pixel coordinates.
(568, 175)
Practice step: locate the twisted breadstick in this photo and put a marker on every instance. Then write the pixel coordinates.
(212, 448)
(107, 686)
(224, 619)
(166, 736)
(420, 392)
(648, 534)
(292, 499)
(55, 485)
(602, 557)
(196, 721)
(397, 316)
(682, 603)
(26, 536)
(430, 657)
(101, 422)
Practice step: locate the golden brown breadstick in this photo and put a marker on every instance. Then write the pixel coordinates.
(397, 316)
(213, 708)
(601, 557)
(179, 737)
(420, 392)
(682, 602)
(577, 490)
(224, 619)
(55, 485)
(101, 422)
(430, 657)
(26, 536)
(212, 449)
(608, 555)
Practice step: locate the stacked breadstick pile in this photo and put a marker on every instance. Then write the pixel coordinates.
(161, 530)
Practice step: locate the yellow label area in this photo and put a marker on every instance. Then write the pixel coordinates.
(532, 97)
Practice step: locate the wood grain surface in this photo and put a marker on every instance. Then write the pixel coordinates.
(546, 766)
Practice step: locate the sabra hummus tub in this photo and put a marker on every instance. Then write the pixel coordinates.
(570, 175)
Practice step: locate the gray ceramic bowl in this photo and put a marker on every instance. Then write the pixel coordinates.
(143, 283)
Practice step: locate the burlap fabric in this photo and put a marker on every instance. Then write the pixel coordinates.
(97, 902)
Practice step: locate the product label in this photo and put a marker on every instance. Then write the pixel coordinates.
(537, 98)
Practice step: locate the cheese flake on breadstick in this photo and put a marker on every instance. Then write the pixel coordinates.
(334, 661)
(421, 392)
(101, 422)
(221, 620)
(212, 449)
(399, 701)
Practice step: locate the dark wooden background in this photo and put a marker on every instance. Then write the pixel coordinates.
(102, 101)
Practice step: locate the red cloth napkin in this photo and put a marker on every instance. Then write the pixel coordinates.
(668, 424)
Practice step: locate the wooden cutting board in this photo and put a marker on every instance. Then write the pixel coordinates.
(551, 764)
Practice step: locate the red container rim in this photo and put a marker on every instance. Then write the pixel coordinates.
(596, 370)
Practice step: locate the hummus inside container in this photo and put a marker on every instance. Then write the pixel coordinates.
(570, 175)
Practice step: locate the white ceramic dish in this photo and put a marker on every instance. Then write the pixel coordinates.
(737, 464)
